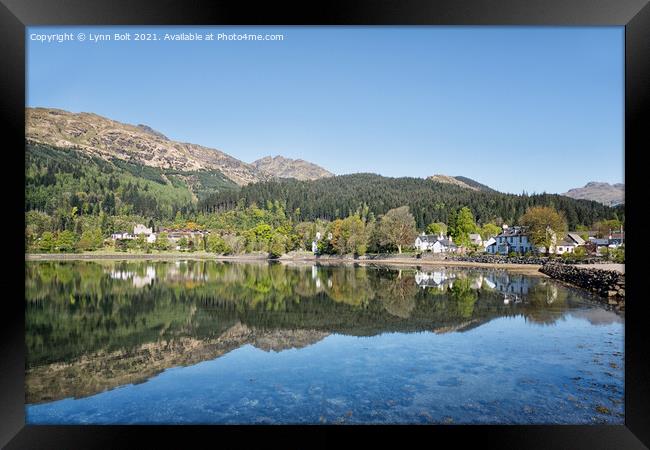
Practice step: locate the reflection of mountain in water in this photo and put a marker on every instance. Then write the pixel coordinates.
(91, 326)
(97, 372)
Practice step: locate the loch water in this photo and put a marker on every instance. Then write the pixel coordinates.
(207, 342)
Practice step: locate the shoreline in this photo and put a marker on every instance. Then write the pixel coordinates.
(530, 269)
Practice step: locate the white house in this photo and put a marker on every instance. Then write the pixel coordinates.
(141, 229)
(425, 241)
(138, 229)
(124, 235)
(489, 242)
(565, 246)
(434, 243)
(314, 243)
(513, 239)
(475, 239)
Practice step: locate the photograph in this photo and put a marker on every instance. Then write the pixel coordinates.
(324, 225)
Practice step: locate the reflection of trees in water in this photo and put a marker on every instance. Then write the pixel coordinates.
(77, 307)
(397, 294)
(545, 303)
(464, 296)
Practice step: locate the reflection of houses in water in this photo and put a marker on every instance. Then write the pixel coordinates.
(509, 298)
(314, 276)
(479, 281)
(436, 279)
(138, 280)
(182, 271)
(508, 284)
(502, 282)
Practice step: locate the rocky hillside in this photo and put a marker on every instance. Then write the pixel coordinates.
(439, 178)
(605, 193)
(459, 181)
(108, 139)
(299, 169)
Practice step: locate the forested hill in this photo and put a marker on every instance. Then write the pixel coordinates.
(58, 179)
(429, 201)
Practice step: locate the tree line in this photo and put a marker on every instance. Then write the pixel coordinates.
(428, 201)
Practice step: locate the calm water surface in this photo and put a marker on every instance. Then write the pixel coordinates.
(115, 342)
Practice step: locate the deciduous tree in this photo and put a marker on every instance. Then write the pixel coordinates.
(544, 224)
(398, 228)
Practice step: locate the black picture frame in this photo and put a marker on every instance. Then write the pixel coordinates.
(15, 15)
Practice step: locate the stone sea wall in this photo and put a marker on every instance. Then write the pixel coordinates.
(608, 284)
(500, 259)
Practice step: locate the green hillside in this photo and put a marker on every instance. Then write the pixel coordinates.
(60, 179)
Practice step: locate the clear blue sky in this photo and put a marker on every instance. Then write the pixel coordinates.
(517, 108)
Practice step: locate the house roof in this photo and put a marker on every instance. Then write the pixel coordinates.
(447, 243)
(514, 231)
(430, 238)
(566, 243)
(475, 236)
(575, 237)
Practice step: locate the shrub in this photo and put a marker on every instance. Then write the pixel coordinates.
(234, 244)
(216, 244)
(580, 252)
(46, 243)
(278, 245)
(66, 241)
(121, 245)
(162, 242)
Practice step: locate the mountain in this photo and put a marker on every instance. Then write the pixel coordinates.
(107, 139)
(450, 180)
(281, 167)
(95, 164)
(464, 182)
(475, 184)
(605, 193)
(429, 200)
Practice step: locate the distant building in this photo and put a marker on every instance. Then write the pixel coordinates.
(137, 230)
(314, 243)
(475, 239)
(616, 239)
(487, 243)
(193, 236)
(575, 238)
(425, 242)
(434, 243)
(124, 235)
(565, 246)
(513, 239)
(599, 242)
(141, 229)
